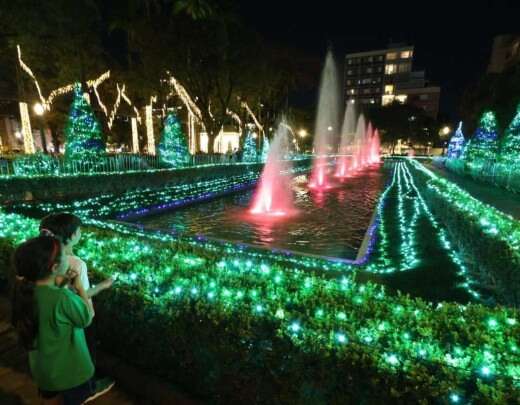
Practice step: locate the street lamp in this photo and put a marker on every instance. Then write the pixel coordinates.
(39, 110)
(302, 133)
(445, 130)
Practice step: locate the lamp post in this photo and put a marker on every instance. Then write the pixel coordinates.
(39, 110)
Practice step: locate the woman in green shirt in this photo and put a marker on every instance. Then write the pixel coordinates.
(50, 321)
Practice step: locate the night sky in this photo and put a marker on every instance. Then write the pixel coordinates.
(452, 41)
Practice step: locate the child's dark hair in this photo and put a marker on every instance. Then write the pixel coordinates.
(61, 225)
(33, 261)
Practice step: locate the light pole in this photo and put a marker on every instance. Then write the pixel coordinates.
(39, 110)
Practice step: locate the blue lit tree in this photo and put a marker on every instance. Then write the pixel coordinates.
(249, 154)
(173, 149)
(265, 149)
(456, 144)
(83, 137)
(510, 148)
(484, 145)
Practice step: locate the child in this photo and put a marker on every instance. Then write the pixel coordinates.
(67, 228)
(50, 321)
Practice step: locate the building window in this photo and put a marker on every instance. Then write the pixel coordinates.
(350, 72)
(391, 56)
(349, 61)
(379, 58)
(372, 101)
(376, 80)
(403, 67)
(370, 59)
(370, 70)
(401, 98)
(379, 69)
(424, 97)
(352, 91)
(390, 69)
(367, 91)
(387, 99)
(366, 81)
(406, 54)
(389, 89)
(349, 82)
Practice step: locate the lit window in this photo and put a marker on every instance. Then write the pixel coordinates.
(389, 89)
(380, 58)
(349, 61)
(349, 72)
(372, 101)
(349, 82)
(391, 56)
(352, 91)
(385, 100)
(369, 70)
(406, 54)
(390, 69)
(401, 98)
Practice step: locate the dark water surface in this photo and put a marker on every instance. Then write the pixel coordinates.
(332, 223)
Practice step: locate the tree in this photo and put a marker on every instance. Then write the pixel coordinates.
(83, 132)
(403, 121)
(173, 149)
(249, 153)
(510, 148)
(484, 144)
(456, 144)
(265, 149)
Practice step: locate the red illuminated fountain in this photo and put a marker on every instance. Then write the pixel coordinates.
(273, 196)
(344, 161)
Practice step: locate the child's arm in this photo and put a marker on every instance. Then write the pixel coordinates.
(100, 287)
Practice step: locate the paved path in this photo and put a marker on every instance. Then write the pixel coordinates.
(503, 200)
(16, 385)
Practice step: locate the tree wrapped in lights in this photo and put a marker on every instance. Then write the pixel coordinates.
(265, 149)
(84, 139)
(249, 154)
(484, 145)
(456, 144)
(173, 149)
(510, 150)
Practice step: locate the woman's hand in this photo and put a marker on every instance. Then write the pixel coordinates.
(106, 283)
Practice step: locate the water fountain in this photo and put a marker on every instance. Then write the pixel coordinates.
(327, 124)
(375, 146)
(348, 131)
(359, 141)
(273, 195)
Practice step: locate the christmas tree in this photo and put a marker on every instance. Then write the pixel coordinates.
(484, 145)
(249, 153)
(173, 149)
(83, 132)
(510, 150)
(456, 143)
(265, 149)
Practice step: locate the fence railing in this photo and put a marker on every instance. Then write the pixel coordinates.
(45, 165)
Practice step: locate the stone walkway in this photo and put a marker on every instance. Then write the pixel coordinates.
(16, 385)
(503, 200)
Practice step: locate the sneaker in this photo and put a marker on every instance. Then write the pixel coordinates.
(103, 385)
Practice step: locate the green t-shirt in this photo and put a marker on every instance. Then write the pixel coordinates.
(61, 359)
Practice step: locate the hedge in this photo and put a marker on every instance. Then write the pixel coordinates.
(236, 329)
(489, 239)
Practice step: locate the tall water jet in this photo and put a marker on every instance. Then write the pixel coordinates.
(375, 148)
(327, 123)
(348, 130)
(273, 195)
(367, 144)
(359, 139)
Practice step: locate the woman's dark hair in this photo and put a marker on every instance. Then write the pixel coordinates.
(61, 225)
(33, 261)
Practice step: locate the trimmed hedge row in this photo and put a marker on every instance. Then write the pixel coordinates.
(237, 330)
(73, 186)
(489, 239)
(498, 174)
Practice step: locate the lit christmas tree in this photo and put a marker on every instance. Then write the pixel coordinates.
(249, 154)
(265, 149)
(83, 133)
(173, 149)
(456, 144)
(510, 150)
(484, 145)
